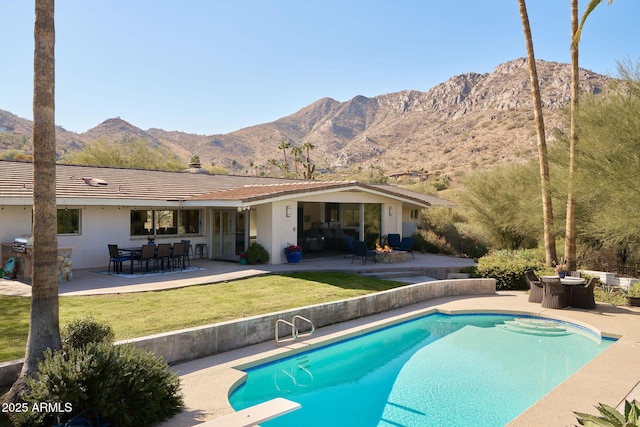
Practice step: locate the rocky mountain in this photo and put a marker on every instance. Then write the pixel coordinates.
(471, 120)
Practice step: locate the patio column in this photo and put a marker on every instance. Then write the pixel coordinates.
(361, 227)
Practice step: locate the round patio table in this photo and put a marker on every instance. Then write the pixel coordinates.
(555, 296)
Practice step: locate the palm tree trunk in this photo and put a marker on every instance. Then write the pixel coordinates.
(547, 209)
(570, 236)
(44, 329)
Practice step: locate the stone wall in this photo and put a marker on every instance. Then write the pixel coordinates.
(24, 263)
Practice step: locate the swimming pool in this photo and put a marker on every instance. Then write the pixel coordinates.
(467, 370)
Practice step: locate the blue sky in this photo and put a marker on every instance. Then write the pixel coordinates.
(214, 66)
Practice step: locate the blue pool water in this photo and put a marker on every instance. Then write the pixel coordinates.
(460, 370)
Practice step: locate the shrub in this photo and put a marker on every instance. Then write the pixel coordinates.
(257, 254)
(508, 271)
(125, 385)
(80, 332)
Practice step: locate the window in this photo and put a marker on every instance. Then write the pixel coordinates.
(415, 214)
(189, 222)
(68, 221)
(351, 217)
(331, 212)
(165, 222)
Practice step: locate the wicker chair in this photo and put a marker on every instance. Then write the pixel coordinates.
(555, 295)
(535, 286)
(582, 295)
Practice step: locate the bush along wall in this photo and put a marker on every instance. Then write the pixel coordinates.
(509, 274)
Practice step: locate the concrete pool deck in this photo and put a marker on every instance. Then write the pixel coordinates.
(608, 378)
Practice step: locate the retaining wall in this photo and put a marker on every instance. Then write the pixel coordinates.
(193, 343)
(612, 279)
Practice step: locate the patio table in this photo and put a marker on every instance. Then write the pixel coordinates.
(135, 253)
(568, 281)
(555, 296)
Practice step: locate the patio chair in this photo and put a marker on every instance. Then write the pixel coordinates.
(535, 286)
(555, 294)
(116, 258)
(582, 295)
(187, 248)
(177, 255)
(348, 245)
(147, 256)
(406, 245)
(162, 255)
(361, 251)
(393, 240)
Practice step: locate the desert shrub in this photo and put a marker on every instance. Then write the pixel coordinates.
(421, 244)
(126, 385)
(80, 332)
(448, 231)
(257, 254)
(508, 270)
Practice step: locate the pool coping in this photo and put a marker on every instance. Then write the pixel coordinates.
(207, 382)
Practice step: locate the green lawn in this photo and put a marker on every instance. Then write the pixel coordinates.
(139, 314)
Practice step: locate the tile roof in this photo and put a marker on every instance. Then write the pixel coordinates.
(94, 184)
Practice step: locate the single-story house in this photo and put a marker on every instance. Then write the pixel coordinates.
(104, 205)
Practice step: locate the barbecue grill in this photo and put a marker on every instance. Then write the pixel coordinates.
(21, 243)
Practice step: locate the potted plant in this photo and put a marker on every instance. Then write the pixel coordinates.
(243, 258)
(632, 295)
(151, 239)
(293, 253)
(562, 269)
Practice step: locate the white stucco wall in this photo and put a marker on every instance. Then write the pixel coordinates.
(14, 221)
(264, 227)
(99, 227)
(283, 229)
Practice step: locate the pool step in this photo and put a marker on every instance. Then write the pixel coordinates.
(534, 327)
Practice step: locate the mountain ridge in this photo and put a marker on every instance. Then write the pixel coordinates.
(471, 120)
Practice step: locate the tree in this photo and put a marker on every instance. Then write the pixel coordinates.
(296, 153)
(44, 325)
(127, 153)
(547, 208)
(284, 146)
(309, 167)
(587, 11)
(504, 212)
(609, 161)
(570, 247)
(272, 164)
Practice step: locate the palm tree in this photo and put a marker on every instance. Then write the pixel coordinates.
(284, 146)
(272, 164)
(547, 209)
(587, 11)
(576, 32)
(570, 232)
(44, 328)
(296, 153)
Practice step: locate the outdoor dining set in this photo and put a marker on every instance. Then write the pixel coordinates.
(150, 257)
(561, 292)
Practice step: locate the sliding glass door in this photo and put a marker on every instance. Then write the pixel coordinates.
(229, 233)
